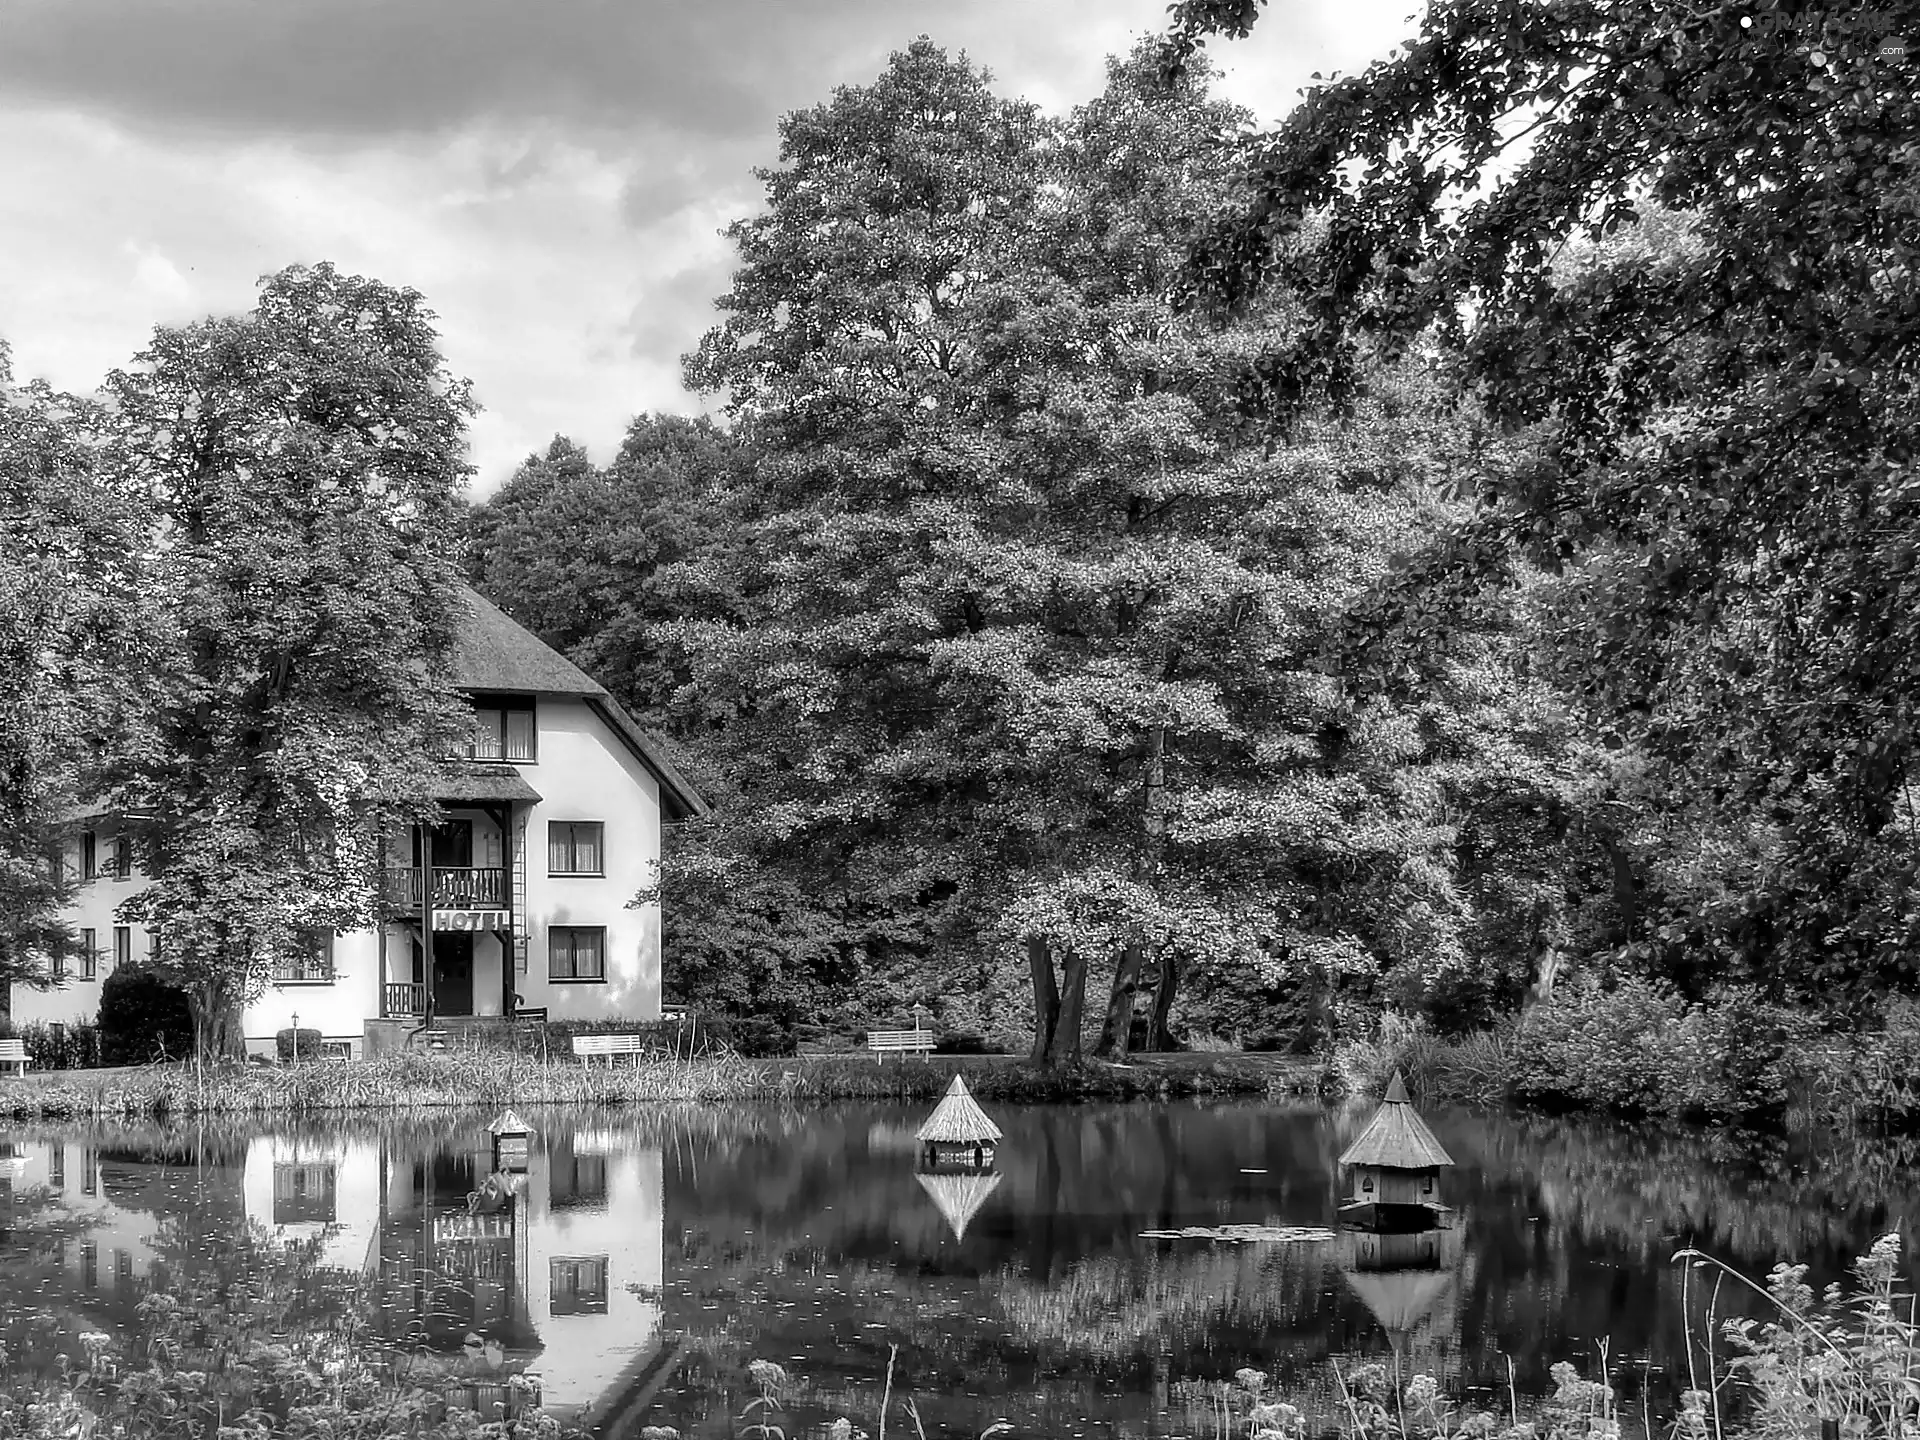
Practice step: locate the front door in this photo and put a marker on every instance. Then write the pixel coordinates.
(453, 972)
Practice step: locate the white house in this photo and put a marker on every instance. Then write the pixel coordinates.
(519, 899)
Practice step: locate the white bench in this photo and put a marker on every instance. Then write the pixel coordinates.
(14, 1053)
(588, 1047)
(899, 1042)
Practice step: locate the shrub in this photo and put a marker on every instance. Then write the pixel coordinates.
(1638, 1048)
(302, 1044)
(143, 1019)
(54, 1046)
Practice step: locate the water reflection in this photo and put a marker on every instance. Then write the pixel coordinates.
(642, 1260)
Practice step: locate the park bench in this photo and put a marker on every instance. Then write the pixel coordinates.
(588, 1047)
(335, 1050)
(13, 1054)
(899, 1042)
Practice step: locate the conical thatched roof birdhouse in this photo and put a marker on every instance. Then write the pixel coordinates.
(958, 1135)
(1395, 1163)
(959, 1196)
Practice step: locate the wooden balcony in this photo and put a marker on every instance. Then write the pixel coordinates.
(403, 999)
(454, 888)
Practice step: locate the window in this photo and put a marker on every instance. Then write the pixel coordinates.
(122, 857)
(573, 847)
(89, 855)
(308, 960)
(90, 1262)
(122, 946)
(57, 1167)
(503, 728)
(577, 1182)
(577, 952)
(303, 1193)
(579, 1284)
(153, 947)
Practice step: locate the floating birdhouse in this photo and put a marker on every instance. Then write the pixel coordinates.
(1396, 1164)
(958, 1135)
(512, 1141)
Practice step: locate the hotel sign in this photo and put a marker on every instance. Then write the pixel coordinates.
(500, 920)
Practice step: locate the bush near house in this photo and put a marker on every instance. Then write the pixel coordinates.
(143, 1019)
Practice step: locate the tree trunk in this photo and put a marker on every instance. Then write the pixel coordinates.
(1064, 1047)
(1116, 1032)
(1046, 997)
(1540, 988)
(1159, 1036)
(217, 1028)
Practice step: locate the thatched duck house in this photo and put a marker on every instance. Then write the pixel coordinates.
(958, 1135)
(1396, 1164)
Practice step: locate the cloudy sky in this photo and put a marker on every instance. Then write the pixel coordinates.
(551, 174)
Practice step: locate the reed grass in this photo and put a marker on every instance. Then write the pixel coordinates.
(465, 1078)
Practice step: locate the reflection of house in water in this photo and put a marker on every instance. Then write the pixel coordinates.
(96, 1210)
(1412, 1283)
(562, 1283)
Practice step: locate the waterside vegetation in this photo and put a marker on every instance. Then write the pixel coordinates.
(465, 1078)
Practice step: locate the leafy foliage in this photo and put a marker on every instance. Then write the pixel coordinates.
(1677, 249)
(143, 1018)
(300, 465)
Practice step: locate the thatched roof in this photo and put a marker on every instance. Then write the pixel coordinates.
(959, 1196)
(1397, 1138)
(478, 783)
(494, 654)
(958, 1119)
(1400, 1299)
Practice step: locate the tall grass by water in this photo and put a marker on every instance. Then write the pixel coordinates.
(469, 1077)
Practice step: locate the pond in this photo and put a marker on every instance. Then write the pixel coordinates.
(647, 1258)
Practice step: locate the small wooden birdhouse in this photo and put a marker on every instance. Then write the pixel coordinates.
(958, 1135)
(1395, 1167)
(512, 1141)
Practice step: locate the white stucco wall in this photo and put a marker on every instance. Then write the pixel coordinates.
(586, 772)
(93, 905)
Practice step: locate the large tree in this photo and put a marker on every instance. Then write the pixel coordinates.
(1722, 389)
(1029, 647)
(303, 464)
(581, 555)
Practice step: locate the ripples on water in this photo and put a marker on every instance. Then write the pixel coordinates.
(648, 1258)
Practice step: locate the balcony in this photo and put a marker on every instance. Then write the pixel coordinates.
(454, 888)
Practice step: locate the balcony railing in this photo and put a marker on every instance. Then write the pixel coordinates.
(403, 999)
(454, 887)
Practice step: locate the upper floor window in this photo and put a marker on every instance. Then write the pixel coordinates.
(122, 946)
(574, 847)
(122, 856)
(89, 855)
(503, 728)
(308, 960)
